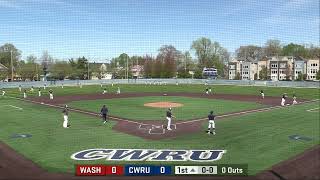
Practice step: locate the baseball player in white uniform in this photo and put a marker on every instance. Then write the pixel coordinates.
(20, 88)
(3, 92)
(31, 89)
(44, 86)
(39, 92)
(62, 85)
(25, 94)
(211, 125)
(169, 118)
(262, 94)
(65, 113)
(118, 91)
(104, 91)
(283, 100)
(294, 99)
(51, 94)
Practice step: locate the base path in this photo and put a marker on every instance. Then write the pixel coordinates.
(155, 130)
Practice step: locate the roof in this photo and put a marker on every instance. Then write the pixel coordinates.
(3, 68)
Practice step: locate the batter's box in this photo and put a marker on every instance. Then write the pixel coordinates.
(173, 126)
(145, 126)
(157, 130)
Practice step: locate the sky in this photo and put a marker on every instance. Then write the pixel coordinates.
(103, 29)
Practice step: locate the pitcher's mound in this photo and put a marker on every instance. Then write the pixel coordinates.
(163, 104)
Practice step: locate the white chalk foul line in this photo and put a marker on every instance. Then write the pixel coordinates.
(16, 107)
(313, 109)
(246, 112)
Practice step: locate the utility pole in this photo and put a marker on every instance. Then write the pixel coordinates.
(127, 69)
(11, 66)
(88, 70)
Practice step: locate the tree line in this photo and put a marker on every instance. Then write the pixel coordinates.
(168, 63)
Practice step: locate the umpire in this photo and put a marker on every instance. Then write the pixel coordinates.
(104, 112)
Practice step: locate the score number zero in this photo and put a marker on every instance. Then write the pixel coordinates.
(231, 170)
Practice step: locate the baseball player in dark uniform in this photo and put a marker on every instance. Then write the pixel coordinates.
(169, 118)
(211, 126)
(65, 113)
(104, 113)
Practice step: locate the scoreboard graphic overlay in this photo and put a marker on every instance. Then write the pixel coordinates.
(158, 170)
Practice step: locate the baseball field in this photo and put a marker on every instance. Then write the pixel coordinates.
(253, 131)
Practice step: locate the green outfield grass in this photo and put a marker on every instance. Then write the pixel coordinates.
(133, 108)
(259, 139)
(305, 93)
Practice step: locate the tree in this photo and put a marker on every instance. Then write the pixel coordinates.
(263, 74)
(300, 77)
(28, 71)
(148, 61)
(31, 59)
(294, 50)
(60, 70)
(203, 48)
(272, 47)
(237, 77)
(249, 53)
(79, 68)
(167, 57)
(46, 61)
(318, 75)
(5, 55)
(4, 74)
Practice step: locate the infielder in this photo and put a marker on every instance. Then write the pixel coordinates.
(207, 90)
(294, 99)
(104, 113)
(169, 118)
(3, 92)
(65, 114)
(210, 90)
(31, 89)
(25, 93)
(39, 92)
(118, 91)
(104, 91)
(20, 88)
(51, 94)
(44, 86)
(62, 85)
(211, 126)
(283, 100)
(262, 94)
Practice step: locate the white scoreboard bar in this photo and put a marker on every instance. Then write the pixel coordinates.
(189, 170)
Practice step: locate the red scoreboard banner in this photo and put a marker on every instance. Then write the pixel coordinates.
(98, 170)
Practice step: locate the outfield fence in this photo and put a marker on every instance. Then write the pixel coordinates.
(303, 84)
